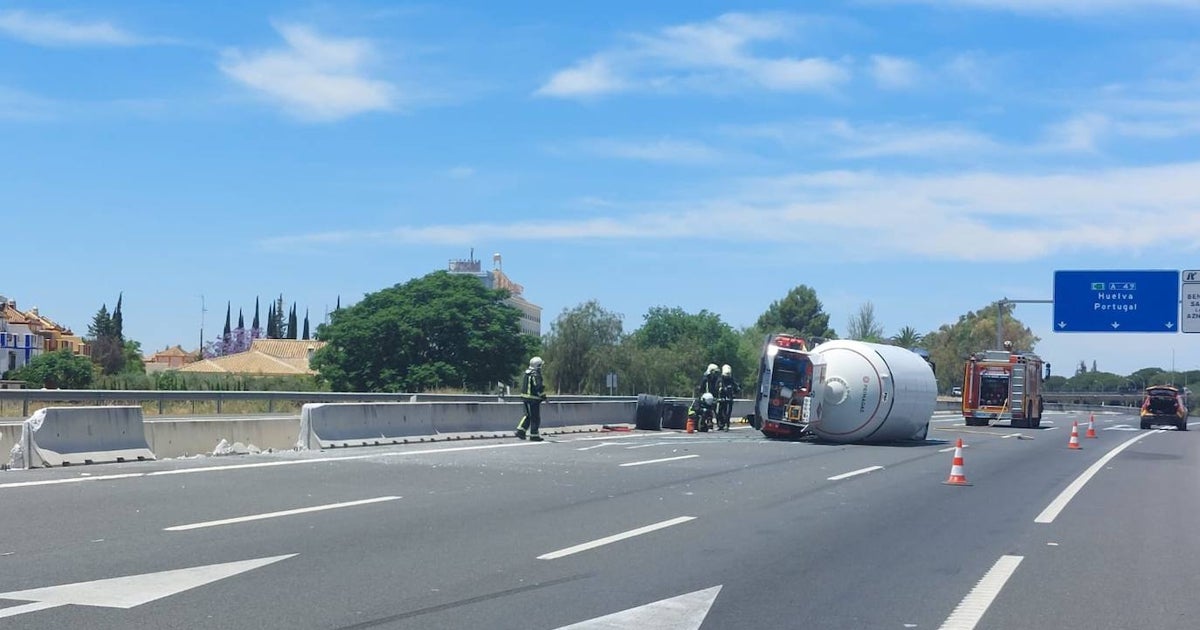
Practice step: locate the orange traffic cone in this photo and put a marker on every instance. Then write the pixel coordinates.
(957, 476)
(1074, 443)
(1091, 432)
(691, 425)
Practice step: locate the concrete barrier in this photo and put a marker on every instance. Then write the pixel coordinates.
(183, 438)
(330, 425)
(63, 436)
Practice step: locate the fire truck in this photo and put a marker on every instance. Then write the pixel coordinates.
(1001, 385)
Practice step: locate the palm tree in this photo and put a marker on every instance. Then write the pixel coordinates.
(908, 337)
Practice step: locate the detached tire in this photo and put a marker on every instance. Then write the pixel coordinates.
(648, 414)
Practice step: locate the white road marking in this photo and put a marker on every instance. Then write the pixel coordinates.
(129, 591)
(947, 450)
(860, 471)
(588, 448)
(1060, 502)
(658, 461)
(290, 462)
(1050, 429)
(975, 604)
(600, 542)
(1011, 435)
(259, 517)
(685, 612)
(630, 448)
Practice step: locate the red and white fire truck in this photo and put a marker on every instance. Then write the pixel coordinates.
(1003, 386)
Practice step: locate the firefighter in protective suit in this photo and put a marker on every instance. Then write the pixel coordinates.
(703, 411)
(727, 389)
(710, 381)
(533, 392)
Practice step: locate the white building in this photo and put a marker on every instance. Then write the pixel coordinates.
(531, 314)
(19, 343)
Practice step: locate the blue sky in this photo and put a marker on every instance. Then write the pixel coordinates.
(928, 157)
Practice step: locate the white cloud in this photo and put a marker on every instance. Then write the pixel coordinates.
(704, 56)
(1078, 7)
(663, 150)
(18, 105)
(49, 30)
(1080, 133)
(843, 139)
(858, 215)
(893, 73)
(314, 77)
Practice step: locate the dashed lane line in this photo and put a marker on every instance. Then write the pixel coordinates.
(975, 604)
(658, 461)
(855, 473)
(600, 542)
(259, 517)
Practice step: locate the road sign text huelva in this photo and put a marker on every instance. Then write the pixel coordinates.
(1117, 301)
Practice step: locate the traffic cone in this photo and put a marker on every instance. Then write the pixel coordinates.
(957, 476)
(691, 425)
(1091, 432)
(1074, 443)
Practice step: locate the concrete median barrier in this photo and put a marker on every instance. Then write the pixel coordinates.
(65, 436)
(332, 425)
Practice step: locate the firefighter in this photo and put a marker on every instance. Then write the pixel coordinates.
(710, 381)
(533, 392)
(727, 389)
(702, 411)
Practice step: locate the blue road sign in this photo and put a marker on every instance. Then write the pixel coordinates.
(1116, 301)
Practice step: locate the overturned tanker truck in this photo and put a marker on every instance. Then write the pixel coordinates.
(843, 391)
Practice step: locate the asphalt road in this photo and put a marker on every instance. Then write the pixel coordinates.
(620, 530)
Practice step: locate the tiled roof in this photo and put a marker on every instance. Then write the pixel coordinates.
(286, 348)
(14, 316)
(250, 362)
(173, 351)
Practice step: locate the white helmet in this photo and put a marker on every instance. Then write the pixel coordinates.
(712, 367)
(706, 398)
(726, 370)
(535, 363)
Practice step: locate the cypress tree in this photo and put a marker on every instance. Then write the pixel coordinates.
(228, 327)
(241, 321)
(293, 328)
(118, 322)
(305, 324)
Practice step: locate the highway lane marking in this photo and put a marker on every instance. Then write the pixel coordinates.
(600, 542)
(658, 461)
(971, 609)
(290, 462)
(630, 448)
(951, 448)
(1060, 502)
(853, 473)
(588, 448)
(259, 517)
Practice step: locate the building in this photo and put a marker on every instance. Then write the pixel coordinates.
(171, 358)
(531, 314)
(266, 357)
(18, 341)
(55, 336)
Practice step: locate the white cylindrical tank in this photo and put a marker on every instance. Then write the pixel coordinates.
(874, 393)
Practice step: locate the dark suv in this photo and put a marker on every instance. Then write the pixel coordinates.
(1164, 405)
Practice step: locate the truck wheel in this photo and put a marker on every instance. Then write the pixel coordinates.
(1145, 425)
(648, 413)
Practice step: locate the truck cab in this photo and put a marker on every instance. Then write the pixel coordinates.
(790, 387)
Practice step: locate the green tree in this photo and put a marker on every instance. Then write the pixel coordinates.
(951, 344)
(292, 327)
(863, 326)
(61, 369)
(907, 337)
(106, 344)
(277, 319)
(668, 354)
(799, 312)
(580, 348)
(134, 363)
(438, 331)
(305, 324)
(118, 320)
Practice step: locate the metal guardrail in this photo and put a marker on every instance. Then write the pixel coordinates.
(161, 397)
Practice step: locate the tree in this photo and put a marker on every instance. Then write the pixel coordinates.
(228, 327)
(277, 319)
(951, 344)
(798, 312)
(107, 347)
(907, 337)
(241, 320)
(438, 331)
(668, 354)
(292, 327)
(272, 333)
(1082, 369)
(580, 347)
(305, 324)
(254, 325)
(863, 326)
(61, 369)
(134, 364)
(1093, 365)
(118, 320)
